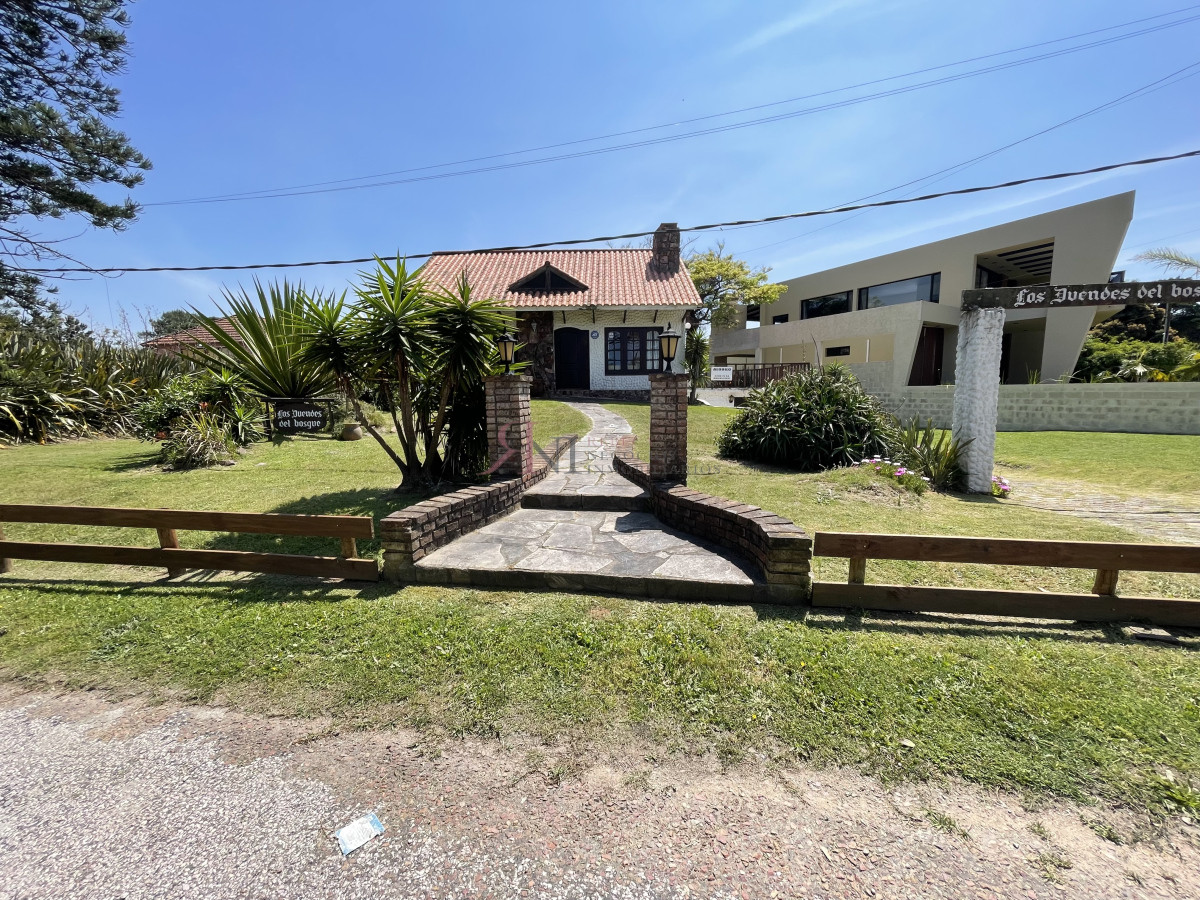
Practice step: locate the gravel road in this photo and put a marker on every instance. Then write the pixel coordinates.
(102, 798)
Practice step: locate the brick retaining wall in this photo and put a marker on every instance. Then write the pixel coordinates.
(412, 533)
(782, 551)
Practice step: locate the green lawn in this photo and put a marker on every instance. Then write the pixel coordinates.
(1063, 709)
(1166, 465)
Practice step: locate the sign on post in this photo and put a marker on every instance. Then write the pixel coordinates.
(1050, 296)
(721, 373)
(298, 417)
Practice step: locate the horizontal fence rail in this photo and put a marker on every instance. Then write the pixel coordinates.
(756, 375)
(1103, 605)
(168, 522)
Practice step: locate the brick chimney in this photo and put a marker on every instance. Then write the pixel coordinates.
(665, 249)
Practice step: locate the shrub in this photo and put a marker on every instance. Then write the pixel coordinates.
(1000, 486)
(812, 420)
(931, 453)
(200, 440)
(222, 393)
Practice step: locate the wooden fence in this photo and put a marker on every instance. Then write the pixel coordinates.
(169, 555)
(1102, 605)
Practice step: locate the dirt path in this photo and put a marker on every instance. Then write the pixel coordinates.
(105, 799)
(1162, 518)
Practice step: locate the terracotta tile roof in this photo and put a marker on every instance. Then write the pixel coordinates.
(198, 334)
(614, 278)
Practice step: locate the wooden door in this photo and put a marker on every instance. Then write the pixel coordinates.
(927, 363)
(572, 368)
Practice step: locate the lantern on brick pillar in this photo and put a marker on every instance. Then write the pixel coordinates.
(507, 345)
(668, 343)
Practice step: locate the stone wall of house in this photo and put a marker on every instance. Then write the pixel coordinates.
(595, 324)
(535, 339)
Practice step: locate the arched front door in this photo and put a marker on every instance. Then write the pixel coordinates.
(572, 371)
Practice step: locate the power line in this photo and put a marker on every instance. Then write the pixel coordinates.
(1166, 81)
(638, 234)
(324, 187)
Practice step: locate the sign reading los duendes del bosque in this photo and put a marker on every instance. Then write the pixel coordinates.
(297, 416)
(1048, 296)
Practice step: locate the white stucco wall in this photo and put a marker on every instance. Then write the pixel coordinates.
(583, 319)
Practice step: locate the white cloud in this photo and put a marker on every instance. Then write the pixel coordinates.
(811, 14)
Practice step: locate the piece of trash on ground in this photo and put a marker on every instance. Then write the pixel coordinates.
(358, 833)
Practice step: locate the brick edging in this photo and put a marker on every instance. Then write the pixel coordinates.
(782, 551)
(414, 532)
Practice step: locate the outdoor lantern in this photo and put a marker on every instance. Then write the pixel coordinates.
(507, 345)
(668, 343)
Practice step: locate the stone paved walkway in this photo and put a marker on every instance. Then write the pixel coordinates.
(632, 545)
(587, 530)
(588, 471)
(1176, 522)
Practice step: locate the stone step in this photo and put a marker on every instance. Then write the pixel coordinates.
(648, 587)
(596, 502)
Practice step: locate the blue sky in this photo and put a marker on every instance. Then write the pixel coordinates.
(230, 97)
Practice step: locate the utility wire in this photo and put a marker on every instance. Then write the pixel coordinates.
(638, 234)
(325, 187)
(1166, 81)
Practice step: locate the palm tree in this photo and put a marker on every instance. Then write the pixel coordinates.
(1172, 260)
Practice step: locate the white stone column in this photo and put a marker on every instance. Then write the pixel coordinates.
(977, 393)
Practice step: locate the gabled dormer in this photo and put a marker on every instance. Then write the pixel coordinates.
(547, 280)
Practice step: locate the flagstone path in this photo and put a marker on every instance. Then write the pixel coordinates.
(584, 478)
(586, 529)
(1173, 520)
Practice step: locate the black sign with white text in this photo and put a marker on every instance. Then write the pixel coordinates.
(1048, 296)
(298, 417)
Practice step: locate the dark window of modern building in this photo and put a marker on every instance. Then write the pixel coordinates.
(910, 290)
(829, 305)
(986, 278)
(779, 320)
(837, 351)
(631, 351)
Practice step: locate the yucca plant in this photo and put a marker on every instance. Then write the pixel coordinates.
(269, 355)
(930, 452)
(424, 352)
(202, 440)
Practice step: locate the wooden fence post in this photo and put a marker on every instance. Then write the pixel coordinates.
(858, 570)
(1106, 582)
(6, 565)
(168, 539)
(349, 548)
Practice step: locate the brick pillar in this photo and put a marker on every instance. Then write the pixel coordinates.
(668, 426)
(509, 427)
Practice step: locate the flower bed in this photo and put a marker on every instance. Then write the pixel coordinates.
(902, 476)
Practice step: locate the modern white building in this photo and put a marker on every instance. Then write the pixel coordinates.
(894, 318)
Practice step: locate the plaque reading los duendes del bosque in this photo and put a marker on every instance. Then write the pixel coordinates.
(298, 416)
